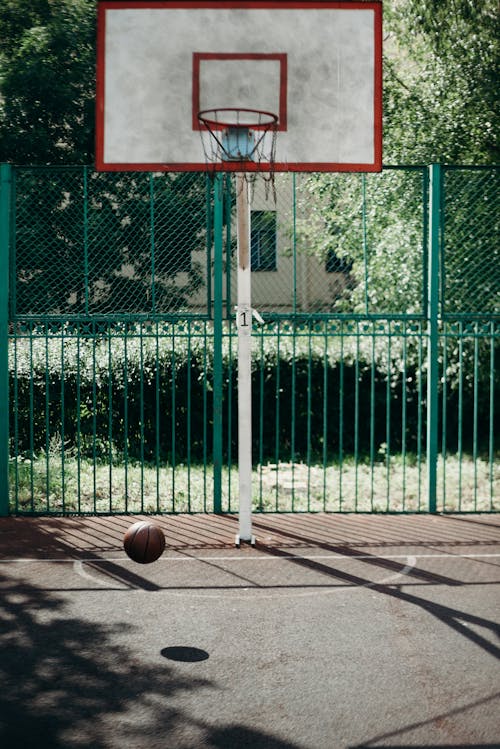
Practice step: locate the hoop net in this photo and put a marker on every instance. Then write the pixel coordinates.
(239, 136)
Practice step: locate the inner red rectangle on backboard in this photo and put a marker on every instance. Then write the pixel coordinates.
(280, 57)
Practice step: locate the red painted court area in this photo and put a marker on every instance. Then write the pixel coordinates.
(333, 631)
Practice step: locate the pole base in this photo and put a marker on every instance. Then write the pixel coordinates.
(238, 541)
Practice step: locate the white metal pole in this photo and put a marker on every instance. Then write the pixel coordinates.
(244, 323)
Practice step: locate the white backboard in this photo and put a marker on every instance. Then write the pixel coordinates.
(316, 65)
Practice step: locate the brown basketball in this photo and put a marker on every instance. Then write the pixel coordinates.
(144, 542)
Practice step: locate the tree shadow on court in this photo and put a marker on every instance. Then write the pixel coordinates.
(67, 683)
(242, 737)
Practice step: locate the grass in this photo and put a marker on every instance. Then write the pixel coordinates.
(61, 482)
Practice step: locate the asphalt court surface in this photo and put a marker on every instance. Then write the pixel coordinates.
(333, 631)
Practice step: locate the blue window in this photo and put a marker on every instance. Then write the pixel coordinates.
(263, 240)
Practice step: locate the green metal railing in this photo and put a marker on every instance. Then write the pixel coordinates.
(375, 374)
(5, 242)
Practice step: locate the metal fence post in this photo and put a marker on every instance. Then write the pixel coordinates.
(5, 202)
(217, 318)
(433, 333)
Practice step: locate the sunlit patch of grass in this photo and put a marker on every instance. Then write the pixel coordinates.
(61, 481)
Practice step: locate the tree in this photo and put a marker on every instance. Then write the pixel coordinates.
(47, 72)
(441, 72)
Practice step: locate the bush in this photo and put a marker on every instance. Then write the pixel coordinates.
(145, 392)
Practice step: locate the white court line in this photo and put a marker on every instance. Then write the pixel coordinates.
(406, 570)
(80, 570)
(254, 590)
(260, 558)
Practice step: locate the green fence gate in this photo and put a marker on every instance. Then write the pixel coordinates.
(375, 373)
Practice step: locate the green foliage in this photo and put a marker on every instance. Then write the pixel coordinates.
(47, 64)
(146, 391)
(376, 226)
(441, 74)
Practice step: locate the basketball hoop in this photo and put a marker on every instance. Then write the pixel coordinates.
(240, 139)
(239, 135)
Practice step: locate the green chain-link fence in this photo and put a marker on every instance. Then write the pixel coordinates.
(470, 262)
(109, 244)
(375, 374)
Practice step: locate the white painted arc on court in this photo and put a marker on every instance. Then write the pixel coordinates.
(259, 558)
(411, 561)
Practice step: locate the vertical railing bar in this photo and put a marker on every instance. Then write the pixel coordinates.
(8, 223)
(230, 384)
(460, 411)
(444, 415)
(157, 413)
(85, 240)
(205, 416)
(491, 410)
(293, 411)
(227, 215)
(230, 332)
(277, 415)
(217, 343)
(356, 419)
(189, 416)
(425, 237)
(388, 419)
(420, 414)
(435, 227)
(341, 417)
(152, 241)
(31, 426)
(404, 395)
(209, 239)
(125, 413)
(94, 416)
(261, 419)
(294, 244)
(475, 410)
(325, 411)
(308, 427)
(110, 419)
(78, 420)
(63, 411)
(6, 232)
(47, 421)
(172, 413)
(141, 410)
(16, 429)
(372, 417)
(365, 240)
(8, 313)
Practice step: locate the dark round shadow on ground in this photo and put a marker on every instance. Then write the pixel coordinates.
(185, 654)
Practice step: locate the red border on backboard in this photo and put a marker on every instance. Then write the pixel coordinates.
(281, 57)
(104, 5)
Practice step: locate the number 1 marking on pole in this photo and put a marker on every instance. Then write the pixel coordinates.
(244, 323)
